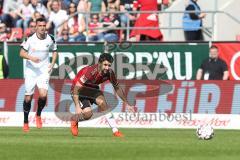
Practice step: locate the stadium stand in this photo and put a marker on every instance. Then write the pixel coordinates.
(15, 14)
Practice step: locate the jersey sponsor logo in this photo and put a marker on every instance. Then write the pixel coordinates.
(83, 79)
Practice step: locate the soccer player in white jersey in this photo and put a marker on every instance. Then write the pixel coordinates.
(38, 69)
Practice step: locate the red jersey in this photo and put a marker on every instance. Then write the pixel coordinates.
(91, 77)
(147, 19)
(92, 26)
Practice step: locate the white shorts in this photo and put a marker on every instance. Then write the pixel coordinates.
(35, 77)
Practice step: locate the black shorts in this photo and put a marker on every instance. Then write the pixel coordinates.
(86, 101)
(88, 96)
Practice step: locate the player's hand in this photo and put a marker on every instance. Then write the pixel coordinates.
(50, 68)
(35, 59)
(131, 109)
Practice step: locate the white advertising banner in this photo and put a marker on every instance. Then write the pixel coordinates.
(129, 120)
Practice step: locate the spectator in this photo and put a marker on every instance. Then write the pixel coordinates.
(165, 4)
(82, 6)
(36, 6)
(9, 19)
(125, 6)
(213, 68)
(76, 25)
(57, 17)
(192, 22)
(5, 33)
(44, 2)
(95, 5)
(64, 36)
(66, 3)
(36, 15)
(107, 4)
(4, 70)
(31, 29)
(126, 17)
(110, 23)
(25, 12)
(146, 20)
(94, 34)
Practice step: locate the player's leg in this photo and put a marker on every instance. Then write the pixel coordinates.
(83, 101)
(42, 83)
(30, 83)
(86, 109)
(102, 104)
(83, 113)
(42, 100)
(26, 109)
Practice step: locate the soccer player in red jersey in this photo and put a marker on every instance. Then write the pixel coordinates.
(85, 91)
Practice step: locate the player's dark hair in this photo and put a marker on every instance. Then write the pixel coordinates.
(58, 1)
(214, 47)
(105, 57)
(41, 20)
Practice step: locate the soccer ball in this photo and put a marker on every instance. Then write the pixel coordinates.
(205, 132)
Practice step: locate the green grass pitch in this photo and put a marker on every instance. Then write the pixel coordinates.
(98, 144)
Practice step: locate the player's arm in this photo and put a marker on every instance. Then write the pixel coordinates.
(54, 53)
(24, 54)
(123, 97)
(24, 51)
(120, 91)
(54, 58)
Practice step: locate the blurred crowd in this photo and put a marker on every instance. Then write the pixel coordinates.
(71, 27)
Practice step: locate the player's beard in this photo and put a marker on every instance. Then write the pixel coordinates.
(42, 32)
(104, 71)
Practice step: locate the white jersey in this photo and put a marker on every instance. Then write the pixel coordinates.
(38, 73)
(39, 48)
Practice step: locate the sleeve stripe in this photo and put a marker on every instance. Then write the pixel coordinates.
(53, 39)
(24, 48)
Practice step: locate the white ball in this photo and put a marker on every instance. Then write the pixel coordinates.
(205, 132)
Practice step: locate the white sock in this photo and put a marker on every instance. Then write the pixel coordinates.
(111, 122)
